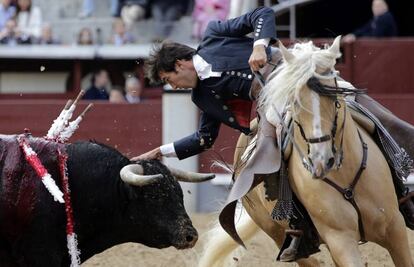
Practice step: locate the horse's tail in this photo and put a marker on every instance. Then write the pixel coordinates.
(220, 245)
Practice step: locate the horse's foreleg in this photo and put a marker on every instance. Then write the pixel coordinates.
(343, 248)
(396, 242)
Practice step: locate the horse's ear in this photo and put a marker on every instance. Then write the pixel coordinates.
(287, 56)
(336, 45)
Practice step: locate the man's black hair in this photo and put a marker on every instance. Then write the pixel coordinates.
(164, 57)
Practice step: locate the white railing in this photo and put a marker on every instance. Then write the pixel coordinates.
(289, 6)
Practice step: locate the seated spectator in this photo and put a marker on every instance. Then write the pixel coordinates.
(88, 7)
(29, 20)
(207, 10)
(85, 37)
(7, 11)
(165, 13)
(381, 25)
(133, 10)
(116, 95)
(133, 88)
(120, 34)
(99, 86)
(10, 35)
(47, 37)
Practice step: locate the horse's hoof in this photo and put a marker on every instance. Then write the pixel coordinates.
(288, 255)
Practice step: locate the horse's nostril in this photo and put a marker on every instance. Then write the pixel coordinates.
(330, 163)
(189, 238)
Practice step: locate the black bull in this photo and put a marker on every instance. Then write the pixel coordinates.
(107, 211)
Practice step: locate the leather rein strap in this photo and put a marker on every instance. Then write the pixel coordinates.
(349, 192)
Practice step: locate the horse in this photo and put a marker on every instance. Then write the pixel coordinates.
(335, 169)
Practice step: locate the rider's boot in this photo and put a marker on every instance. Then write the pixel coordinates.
(403, 133)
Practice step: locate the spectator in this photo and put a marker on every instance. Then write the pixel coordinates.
(207, 10)
(99, 86)
(88, 7)
(85, 36)
(47, 37)
(120, 34)
(7, 11)
(133, 88)
(381, 25)
(133, 10)
(116, 95)
(165, 13)
(9, 35)
(29, 20)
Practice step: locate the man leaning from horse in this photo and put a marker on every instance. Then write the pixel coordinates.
(225, 73)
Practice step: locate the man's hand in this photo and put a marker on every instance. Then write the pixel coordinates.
(258, 58)
(153, 154)
(349, 38)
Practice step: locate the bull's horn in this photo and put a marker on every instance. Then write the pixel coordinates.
(190, 177)
(336, 45)
(133, 174)
(287, 55)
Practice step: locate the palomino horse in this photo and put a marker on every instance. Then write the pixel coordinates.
(335, 168)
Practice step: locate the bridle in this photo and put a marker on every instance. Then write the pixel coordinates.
(334, 92)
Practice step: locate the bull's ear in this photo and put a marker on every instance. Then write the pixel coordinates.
(287, 56)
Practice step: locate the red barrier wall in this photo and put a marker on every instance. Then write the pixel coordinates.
(132, 128)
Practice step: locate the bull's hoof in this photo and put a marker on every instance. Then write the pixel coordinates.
(288, 255)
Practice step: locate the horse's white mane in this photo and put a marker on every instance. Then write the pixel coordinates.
(284, 87)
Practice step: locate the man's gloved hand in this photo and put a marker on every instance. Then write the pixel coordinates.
(258, 58)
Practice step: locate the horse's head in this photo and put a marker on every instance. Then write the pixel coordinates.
(302, 85)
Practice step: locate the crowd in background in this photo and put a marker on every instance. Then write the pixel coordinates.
(22, 22)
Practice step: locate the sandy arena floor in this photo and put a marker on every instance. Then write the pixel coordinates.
(261, 252)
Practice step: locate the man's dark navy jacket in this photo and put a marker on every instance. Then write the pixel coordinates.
(381, 26)
(225, 99)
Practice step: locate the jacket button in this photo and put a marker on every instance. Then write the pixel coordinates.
(249, 76)
(232, 72)
(238, 73)
(225, 107)
(217, 96)
(231, 119)
(256, 34)
(244, 75)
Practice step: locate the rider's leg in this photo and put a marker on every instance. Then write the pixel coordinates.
(400, 130)
(403, 134)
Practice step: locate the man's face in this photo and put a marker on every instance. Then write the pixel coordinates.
(183, 77)
(102, 79)
(379, 7)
